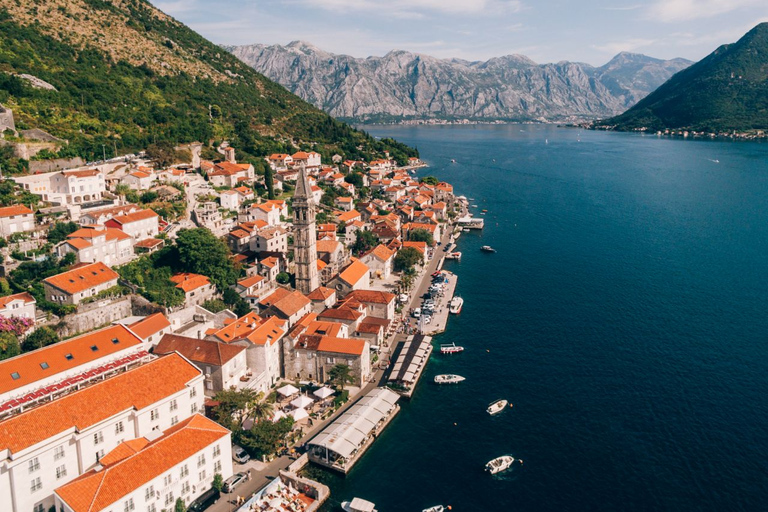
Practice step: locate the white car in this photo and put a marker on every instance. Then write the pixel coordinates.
(403, 298)
(416, 313)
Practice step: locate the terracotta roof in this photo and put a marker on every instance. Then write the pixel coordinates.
(198, 351)
(328, 246)
(369, 328)
(135, 389)
(129, 470)
(343, 199)
(112, 212)
(273, 297)
(341, 314)
(381, 252)
(321, 265)
(82, 278)
(149, 243)
(421, 246)
(354, 272)
(94, 231)
(135, 216)
(27, 298)
(352, 346)
(347, 216)
(321, 293)
(317, 327)
(278, 156)
(269, 332)
(300, 155)
(244, 191)
(238, 328)
(29, 366)
(228, 169)
(18, 209)
(291, 303)
(250, 281)
(187, 281)
(326, 227)
(371, 296)
(79, 243)
(239, 233)
(150, 325)
(81, 174)
(140, 174)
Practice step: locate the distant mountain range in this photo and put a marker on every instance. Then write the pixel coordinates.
(403, 85)
(725, 91)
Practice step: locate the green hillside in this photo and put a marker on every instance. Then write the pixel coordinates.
(127, 75)
(727, 90)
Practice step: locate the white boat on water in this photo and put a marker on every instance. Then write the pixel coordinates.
(466, 230)
(487, 248)
(499, 464)
(358, 505)
(453, 255)
(436, 508)
(497, 406)
(448, 379)
(451, 348)
(456, 304)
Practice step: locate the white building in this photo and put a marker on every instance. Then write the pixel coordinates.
(230, 200)
(274, 239)
(19, 305)
(48, 446)
(197, 288)
(139, 180)
(95, 243)
(139, 225)
(81, 283)
(75, 187)
(16, 219)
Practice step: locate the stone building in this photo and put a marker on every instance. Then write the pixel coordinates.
(304, 239)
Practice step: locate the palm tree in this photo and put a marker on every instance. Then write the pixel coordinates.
(341, 374)
(261, 410)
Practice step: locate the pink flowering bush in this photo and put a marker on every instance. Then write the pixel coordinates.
(15, 325)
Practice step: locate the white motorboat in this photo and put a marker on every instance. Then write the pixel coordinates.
(497, 406)
(436, 508)
(487, 248)
(456, 304)
(451, 348)
(453, 255)
(448, 379)
(499, 464)
(358, 505)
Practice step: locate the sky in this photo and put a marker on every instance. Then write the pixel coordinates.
(589, 31)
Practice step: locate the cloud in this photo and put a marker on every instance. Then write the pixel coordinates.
(625, 8)
(627, 45)
(402, 7)
(669, 11)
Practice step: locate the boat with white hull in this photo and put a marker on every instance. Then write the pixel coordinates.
(456, 304)
(448, 379)
(436, 508)
(358, 505)
(451, 348)
(497, 406)
(499, 464)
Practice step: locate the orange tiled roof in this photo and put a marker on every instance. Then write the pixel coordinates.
(328, 246)
(135, 389)
(348, 216)
(321, 265)
(79, 243)
(81, 174)
(238, 328)
(382, 253)
(150, 325)
(94, 231)
(198, 351)
(269, 332)
(18, 296)
(29, 367)
(135, 216)
(148, 243)
(82, 278)
(140, 174)
(372, 296)
(318, 327)
(128, 472)
(342, 313)
(291, 303)
(10, 211)
(321, 293)
(354, 272)
(421, 246)
(187, 282)
(352, 346)
(250, 281)
(228, 169)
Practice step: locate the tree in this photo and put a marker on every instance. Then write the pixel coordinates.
(355, 178)
(340, 375)
(218, 482)
(41, 337)
(163, 153)
(266, 437)
(9, 345)
(429, 180)
(234, 407)
(59, 231)
(180, 506)
(268, 182)
(200, 252)
(283, 278)
(150, 196)
(214, 305)
(261, 411)
(364, 242)
(421, 235)
(407, 257)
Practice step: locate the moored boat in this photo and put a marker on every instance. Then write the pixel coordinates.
(448, 379)
(436, 508)
(358, 505)
(451, 348)
(499, 464)
(497, 406)
(454, 255)
(487, 248)
(456, 304)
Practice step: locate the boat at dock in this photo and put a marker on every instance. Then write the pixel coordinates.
(436, 508)
(499, 464)
(451, 348)
(358, 505)
(453, 256)
(456, 304)
(487, 248)
(466, 230)
(497, 406)
(448, 379)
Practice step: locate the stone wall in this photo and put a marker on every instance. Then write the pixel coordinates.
(6, 120)
(95, 314)
(27, 150)
(55, 165)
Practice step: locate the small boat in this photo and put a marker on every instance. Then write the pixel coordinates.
(466, 230)
(454, 256)
(436, 508)
(451, 348)
(456, 304)
(487, 248)
(499, 464)
(358, 505)
(453, 161)
(497, 406)
(485, 211)
(448, 379)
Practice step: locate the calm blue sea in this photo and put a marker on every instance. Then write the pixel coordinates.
(625, 315)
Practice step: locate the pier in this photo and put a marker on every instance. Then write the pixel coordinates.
(410, 364)
(442, 307)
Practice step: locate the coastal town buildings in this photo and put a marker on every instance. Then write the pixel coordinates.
(18, 305)
(95, 243)
(197, 288)
(74, 286)
(304, 237)
(139, 225)
(16, 219)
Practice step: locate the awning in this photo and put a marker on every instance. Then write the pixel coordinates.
(299, 414)
(323, 392)
(301, 401)
(288, 390)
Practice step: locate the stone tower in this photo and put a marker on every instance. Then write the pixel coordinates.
(304, 237)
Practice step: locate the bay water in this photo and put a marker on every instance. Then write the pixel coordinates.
(624, 315)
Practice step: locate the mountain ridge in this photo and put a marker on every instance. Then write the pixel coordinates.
(407, 85)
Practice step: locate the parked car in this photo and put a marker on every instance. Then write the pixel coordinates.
(239, 454)
(233, 481)
(204, 501)
(416, 313)
(403, 297)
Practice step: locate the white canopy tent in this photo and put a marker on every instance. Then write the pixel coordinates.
(323, 392)
(299, 414)
(278, 416)
(301, 401)
(288, 390)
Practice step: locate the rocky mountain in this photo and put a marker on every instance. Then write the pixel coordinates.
(727, 90)
(124, 75)
(404, 85)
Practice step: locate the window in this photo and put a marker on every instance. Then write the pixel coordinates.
(15, 376)
(34, 465)
(36, 485)
(167, 480)
(154, 414)
(61, 471)
(202, 475)
(168, 499)
(329, 360)
(184, 471)
(193, 393)
(149, 493)
(115, 341)
(174, 405)
(152, 508)
(119, 427)
(201, 460)
(39, 508)
(193, 408)
(99, 455)
(129, 505)
(98, 437)
(94, 348)
(44, 365)
(69, 357)
(216, 451)
(174, 420)
(185, 488)
(58, 453)
(217, 467)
